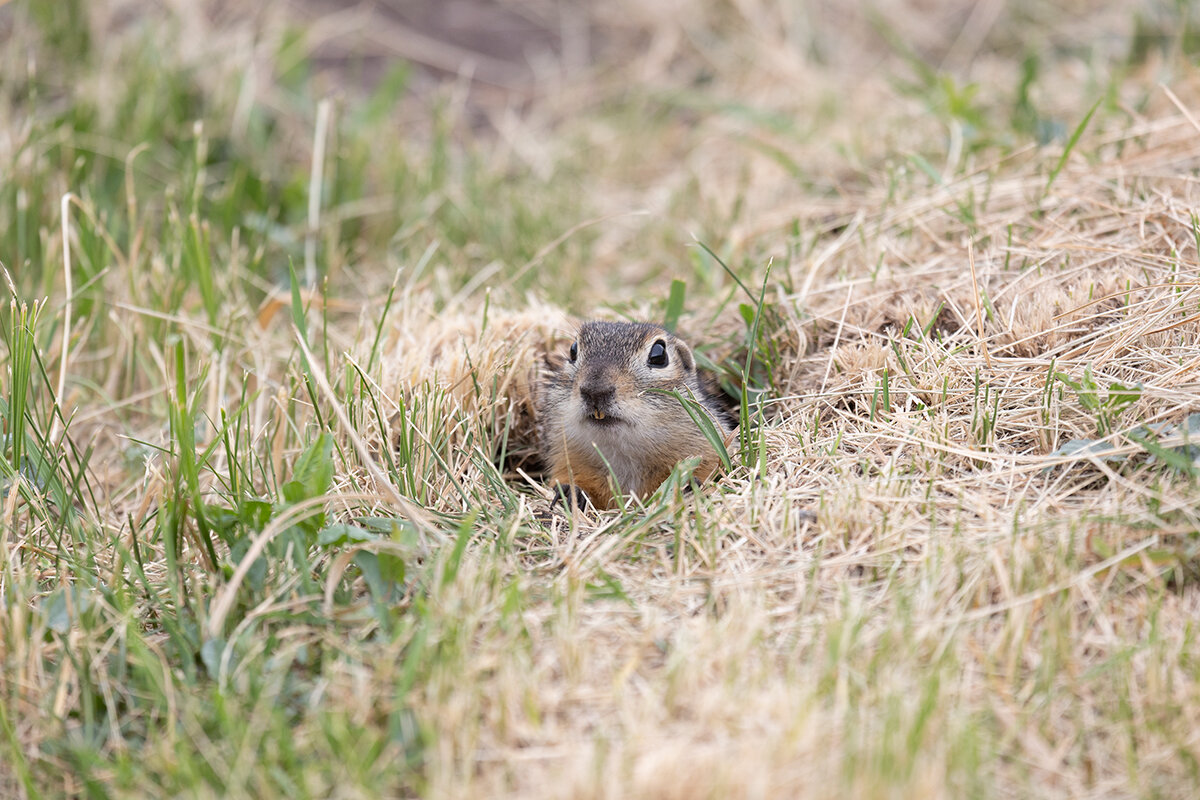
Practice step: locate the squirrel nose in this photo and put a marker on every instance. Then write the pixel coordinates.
(597, 395)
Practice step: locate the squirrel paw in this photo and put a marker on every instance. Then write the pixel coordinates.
(570, 496)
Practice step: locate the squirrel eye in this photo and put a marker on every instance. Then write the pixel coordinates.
(658, 354)
(574, 351)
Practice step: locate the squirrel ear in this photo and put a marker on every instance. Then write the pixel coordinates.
(685, 355)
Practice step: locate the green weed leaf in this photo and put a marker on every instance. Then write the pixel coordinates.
(313, 471)
(341, 533)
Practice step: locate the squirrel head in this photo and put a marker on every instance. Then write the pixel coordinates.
(612, 367)
(611, 416)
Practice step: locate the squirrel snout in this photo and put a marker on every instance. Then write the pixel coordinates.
(598, 396)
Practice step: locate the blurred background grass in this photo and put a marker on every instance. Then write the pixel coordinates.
(649, 124)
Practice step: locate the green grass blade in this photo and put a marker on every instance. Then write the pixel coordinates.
(700, 415)
(1075, 136)
(728, 270)
(674, 305)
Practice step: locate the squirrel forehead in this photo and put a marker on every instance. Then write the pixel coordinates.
(619, 337)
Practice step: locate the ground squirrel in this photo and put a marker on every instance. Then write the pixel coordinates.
(602, 425)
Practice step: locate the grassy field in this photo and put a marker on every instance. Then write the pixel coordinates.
(270, 517)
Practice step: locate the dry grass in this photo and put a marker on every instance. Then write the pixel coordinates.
(914, 584)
